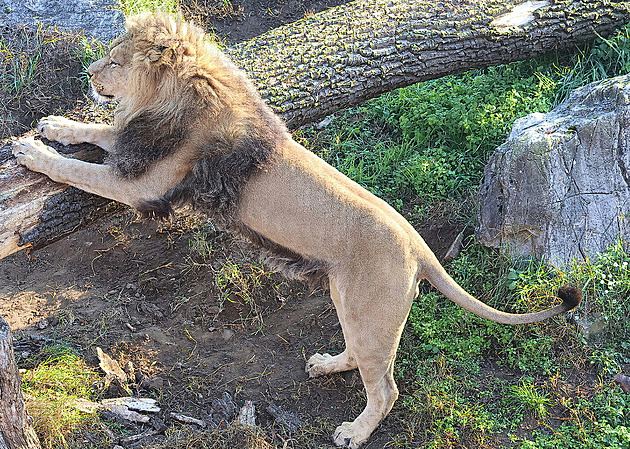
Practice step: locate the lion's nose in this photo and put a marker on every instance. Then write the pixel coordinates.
(90, 70)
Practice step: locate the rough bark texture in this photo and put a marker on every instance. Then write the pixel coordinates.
(559, 187)
(35, 210)
(346, 55)
(15, 430)
(339, 58)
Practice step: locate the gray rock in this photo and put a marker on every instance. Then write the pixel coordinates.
(559, 187)
(96, 18)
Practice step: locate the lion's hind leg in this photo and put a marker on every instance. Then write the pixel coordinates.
(322, 364)
(373, 315)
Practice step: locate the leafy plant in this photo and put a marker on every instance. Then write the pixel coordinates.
(529, 398)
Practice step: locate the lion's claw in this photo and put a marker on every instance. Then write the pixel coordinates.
(345, 436)
(317, 365)
(33, 154)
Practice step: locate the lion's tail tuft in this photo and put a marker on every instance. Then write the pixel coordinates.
(571, 297)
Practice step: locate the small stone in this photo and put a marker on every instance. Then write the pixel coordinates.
(227, 334)
(155, 383)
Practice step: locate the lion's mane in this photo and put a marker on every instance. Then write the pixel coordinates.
(186, 90)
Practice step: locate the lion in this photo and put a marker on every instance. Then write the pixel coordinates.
(190, 128)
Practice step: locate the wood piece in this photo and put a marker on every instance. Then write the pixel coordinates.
(146, 405)
(247, 414)
(138, 437)
(35, 211)
(110, 366)
(123, 412)
(15, 429)
(332, 60)
(455, 248)
(188, 419)
(288, 420)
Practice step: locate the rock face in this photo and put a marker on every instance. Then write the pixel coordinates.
(97, 18)
(559, 187)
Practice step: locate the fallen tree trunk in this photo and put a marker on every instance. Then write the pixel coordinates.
(15, 430)
(349, 54)
(336, 59)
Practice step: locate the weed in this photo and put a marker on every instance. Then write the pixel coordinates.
(201, 242)
(130, 7)
(88, 51)
(37, 76)
(184, 437)
(527, 397)
(51, 389)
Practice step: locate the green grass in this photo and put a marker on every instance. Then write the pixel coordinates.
(88, 51)
(20, 60)
(52, 386)
(130, 7)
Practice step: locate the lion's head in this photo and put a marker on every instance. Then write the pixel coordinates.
(158, 64)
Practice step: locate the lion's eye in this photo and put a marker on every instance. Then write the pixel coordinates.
(113, 64)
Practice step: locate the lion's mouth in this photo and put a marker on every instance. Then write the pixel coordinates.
(101, 98)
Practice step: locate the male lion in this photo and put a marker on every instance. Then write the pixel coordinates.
(190, 127)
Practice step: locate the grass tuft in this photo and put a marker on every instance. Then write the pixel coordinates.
(51, 389)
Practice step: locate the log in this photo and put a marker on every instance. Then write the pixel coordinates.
(336, 59)
(346, 55)
(15, 429)
(35, 210)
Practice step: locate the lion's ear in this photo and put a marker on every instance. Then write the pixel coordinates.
(170, 52)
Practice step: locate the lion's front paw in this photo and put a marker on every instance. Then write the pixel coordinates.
(347, 435)
(61, 129)
(33, 154)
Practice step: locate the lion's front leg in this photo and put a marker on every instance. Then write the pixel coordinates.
(94, 178)
(68, 132)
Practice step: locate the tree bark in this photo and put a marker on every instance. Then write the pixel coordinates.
(15, 430)
(346, 55)
(333, 60)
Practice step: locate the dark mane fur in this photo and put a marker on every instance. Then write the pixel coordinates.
(146, 139)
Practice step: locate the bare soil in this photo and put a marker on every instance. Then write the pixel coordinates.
(141, 292)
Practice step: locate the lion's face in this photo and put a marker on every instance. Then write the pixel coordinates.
(110, 75)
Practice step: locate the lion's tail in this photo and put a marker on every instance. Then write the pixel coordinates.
(441, 280)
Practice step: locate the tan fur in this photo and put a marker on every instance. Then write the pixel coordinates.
(374, 257)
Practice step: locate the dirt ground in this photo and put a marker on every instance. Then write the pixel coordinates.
(195, 320)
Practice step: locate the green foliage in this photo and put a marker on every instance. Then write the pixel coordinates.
(602, 59)
(19, 61)
(433, 139)
(601, 422)
(130, 7)
(88, 51)
(52, 388)
(528, 397)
